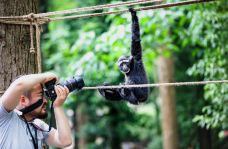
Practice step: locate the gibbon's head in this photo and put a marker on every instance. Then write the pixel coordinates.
(124, 64)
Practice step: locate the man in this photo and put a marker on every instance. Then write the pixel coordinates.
(20, 130)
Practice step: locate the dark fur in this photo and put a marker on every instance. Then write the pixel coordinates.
(134, 71)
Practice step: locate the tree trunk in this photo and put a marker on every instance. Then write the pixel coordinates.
(15, 58)
(205, 138)
(165, 68)
(115, 142)
(81, 120)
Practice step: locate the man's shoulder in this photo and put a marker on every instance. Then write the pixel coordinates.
(4, 113)
(9, 118)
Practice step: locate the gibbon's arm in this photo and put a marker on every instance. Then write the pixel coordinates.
(136, 49)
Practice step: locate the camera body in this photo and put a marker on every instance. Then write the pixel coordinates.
(75, 83)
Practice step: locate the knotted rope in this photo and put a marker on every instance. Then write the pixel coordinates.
(32, 21)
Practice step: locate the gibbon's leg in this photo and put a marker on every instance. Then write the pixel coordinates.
(128, 95)
(110, 94)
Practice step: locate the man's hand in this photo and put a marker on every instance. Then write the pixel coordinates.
(60, 137)
(62, 93)
(50, 76)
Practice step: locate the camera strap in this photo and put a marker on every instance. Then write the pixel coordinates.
(51, 117)
(27, 110)
(32, 107)
(34, 139)
(36, 105)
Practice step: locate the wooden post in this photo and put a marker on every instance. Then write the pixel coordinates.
(15, 56)
(165, 69)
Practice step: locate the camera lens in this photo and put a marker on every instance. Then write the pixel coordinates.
(75, 83)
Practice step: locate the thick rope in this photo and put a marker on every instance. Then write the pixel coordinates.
(42, 20)
(28, 20)
(38, 52)
(24, 18)
(156, 85)
(32, 21)
(167, 5)
(153, 85)
(15, 22)
(98, 7)
(82, 9)
(32, 49)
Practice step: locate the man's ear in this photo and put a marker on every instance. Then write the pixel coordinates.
(24, 101)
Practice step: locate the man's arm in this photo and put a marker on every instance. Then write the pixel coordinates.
(60, 137)
(11, 97)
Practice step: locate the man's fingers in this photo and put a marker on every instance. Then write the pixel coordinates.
(57, 90)
(62, 91)
(66, 89)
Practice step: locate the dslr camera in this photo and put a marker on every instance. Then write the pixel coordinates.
(74, 83)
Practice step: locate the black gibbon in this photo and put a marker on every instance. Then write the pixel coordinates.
(133, 69)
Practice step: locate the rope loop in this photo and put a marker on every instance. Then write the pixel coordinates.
(38, 32)
(31, 18)
(32, 49)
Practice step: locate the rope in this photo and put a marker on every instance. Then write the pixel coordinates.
(41, 19)
(157, 85)
(32, 21)
(14, 22)
(24, 18)
(167, 5)
(153, 85)
(98, 7)
(38, 48)
(32, 49)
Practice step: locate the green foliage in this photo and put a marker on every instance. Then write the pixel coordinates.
(212, 32)
(194, 35)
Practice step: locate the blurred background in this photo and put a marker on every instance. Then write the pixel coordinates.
(185, 43)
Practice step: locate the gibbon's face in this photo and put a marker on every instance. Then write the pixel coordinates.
(124, 64)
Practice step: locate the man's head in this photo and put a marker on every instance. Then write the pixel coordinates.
(30, 97)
